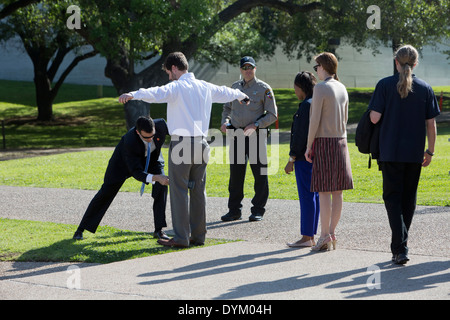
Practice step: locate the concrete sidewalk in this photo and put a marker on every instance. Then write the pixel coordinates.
(260, 268)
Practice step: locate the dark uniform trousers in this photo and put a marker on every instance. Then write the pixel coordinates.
(400, 181)
(245, 149)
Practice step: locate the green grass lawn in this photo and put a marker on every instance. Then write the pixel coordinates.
(85, 170)
(22, 240)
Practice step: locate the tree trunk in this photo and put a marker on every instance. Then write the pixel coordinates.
(44, 95)
(396, 43)
(133, 110)
(125, 81)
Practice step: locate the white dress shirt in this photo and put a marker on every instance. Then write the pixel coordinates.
(189, 103)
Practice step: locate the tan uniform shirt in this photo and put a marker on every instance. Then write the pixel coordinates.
(262, 106)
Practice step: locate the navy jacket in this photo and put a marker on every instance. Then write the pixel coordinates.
(128, 159)
(299, 130)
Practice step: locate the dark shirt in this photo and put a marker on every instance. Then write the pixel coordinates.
(403, 128)
(299, 130)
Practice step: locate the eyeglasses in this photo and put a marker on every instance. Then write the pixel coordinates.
(315, 67)
(247, 67)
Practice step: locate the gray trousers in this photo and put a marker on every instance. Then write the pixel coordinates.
(188, 157)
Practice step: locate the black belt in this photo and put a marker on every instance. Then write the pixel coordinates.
(230, 126)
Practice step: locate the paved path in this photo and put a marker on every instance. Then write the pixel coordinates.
(260, 268)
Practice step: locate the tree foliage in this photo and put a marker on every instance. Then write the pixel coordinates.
(132, 32)
(9, 7)
(416, 22)
(46, 39)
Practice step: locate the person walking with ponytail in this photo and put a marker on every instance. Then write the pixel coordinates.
(327, 147)
(406, 107)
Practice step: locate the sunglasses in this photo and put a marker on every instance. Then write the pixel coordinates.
(144, 137)
(315, 67)
(247, 67)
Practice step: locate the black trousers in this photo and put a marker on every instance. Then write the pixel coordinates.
(105, 196)
(242, 150)
(400, 181)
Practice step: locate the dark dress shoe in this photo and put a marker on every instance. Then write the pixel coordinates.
(231, 216)
(196, 243)
(160, 234)
(401, 258)
(78, 235)
(255, 217)
(171, 243)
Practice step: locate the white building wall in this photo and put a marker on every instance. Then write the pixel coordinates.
(15, 64)
(355, 69)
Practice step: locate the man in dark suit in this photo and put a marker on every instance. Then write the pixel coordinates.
(129, 159)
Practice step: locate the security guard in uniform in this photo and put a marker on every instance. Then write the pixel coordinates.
(246, 128)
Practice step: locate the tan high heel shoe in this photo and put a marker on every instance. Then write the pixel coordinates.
(323, 244)
(333, 240)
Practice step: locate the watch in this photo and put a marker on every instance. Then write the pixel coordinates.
(291, 159)
(257, 124)
(429, 152)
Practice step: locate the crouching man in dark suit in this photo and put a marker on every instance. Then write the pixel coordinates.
(129, 159)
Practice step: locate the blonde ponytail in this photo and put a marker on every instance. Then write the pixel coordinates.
(404, 85)
(407, 57)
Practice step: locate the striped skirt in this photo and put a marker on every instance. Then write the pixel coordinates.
(331, 165)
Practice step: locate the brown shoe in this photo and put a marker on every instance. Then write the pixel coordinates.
(171, 243)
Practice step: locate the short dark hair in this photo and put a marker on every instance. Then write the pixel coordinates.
(306, 81)
(176, 59)
(145, 123)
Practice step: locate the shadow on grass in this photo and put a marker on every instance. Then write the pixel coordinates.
(118, 246)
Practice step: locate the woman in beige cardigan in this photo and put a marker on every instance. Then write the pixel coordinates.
(327, 147)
